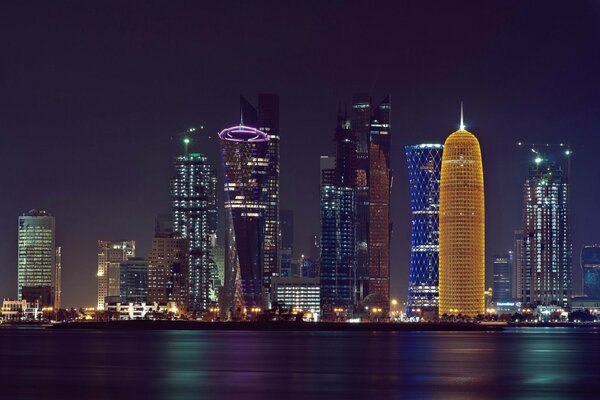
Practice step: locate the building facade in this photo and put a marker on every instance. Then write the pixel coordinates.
(590, 265)
(547, 248)
(134, 280)
(502, 266)
(300, 294)
(338, 203)
(246, 167)
(194, 206)
(36, 257)
(110, 255)
(462, 227)
(168, 270)
(424, 168)
(371, 126)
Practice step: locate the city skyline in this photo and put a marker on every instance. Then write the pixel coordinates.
(63, 112)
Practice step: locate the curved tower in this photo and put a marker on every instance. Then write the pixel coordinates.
(462, 226)
(424, 167)
(245, 165)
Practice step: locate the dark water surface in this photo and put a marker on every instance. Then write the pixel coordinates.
(525, 363)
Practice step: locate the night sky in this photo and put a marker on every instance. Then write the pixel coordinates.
(90, 93)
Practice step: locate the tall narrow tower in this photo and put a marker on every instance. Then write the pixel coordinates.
(462, 226)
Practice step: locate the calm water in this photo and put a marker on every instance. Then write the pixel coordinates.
(528, 363)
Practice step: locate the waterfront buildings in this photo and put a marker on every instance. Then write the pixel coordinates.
(590, 265)
(134, 280)
(547, 248)
(338, 203)
(300, 294)
(286, 252)
(371, 126)
(518, 270)
(168, 270)
(194, 206)
(462, 227)
(57, 277)
(36, 271)
(110, 255)
(246, 168)
(424, 168)
(502, 270)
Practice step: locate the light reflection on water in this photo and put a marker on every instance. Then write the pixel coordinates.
(526, 363)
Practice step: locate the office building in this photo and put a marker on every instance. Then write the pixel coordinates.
(517, 271)
(547, 248)
(246, 169)
(462, 227)
(194, 205)
(134, 280)
(299, 294)
(502, 271)
(371, 126)
(168, 270)
(338, 203)
(424, 167)
(36, 260)
(590, 265)
(58, 278)
(110, 255)
(286, 252)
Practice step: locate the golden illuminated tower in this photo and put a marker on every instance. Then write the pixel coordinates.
(462, 226)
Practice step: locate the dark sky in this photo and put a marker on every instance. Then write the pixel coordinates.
(91, 91)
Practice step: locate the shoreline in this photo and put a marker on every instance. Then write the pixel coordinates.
(278, 326)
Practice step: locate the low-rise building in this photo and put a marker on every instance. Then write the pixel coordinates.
(300, 294)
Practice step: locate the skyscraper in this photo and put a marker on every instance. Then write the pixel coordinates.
(590, 265)
(286, 221)
(246, 169)
(462, 226)
(339, 224)
(58, 278)
(372, 128)
(194, 205)
(168, 269)
(134, 280)
(502, 271)
(110, 255)
(36, 257)
(547, 248)
(424, 168)
(518, 270)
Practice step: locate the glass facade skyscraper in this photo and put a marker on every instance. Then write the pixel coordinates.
(168, 270)
(371, 126)
(547, 248)
(134, 280)
(246, 166)
(36, 255)
(194, 205)
(590, 265)
(424, 168)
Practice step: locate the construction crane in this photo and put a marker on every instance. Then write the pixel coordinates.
(567, 146)
(186, 135)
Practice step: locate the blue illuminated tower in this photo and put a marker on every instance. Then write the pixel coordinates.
(424, 168)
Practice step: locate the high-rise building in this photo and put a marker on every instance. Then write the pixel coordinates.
(168, 269)
(590, 265)
(134, 280)
(36, 257)
(194, 204)
(246, 167)
(371, 126)
(286, 221)
(266, 119)
(110, 255)
(58, 278)
(462, 227)
(547, 248)
(424, 168)
(518, 270)
(502, 271)
(337, 269)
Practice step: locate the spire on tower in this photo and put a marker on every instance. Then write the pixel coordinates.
(462, 121)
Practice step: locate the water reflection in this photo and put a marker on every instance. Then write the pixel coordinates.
(181, 365)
